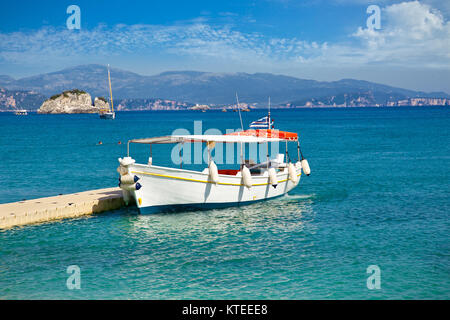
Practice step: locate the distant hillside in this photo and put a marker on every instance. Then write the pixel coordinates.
(150, 104)
(213, 88)
(6, 79)
(11, 100)
(372, 98)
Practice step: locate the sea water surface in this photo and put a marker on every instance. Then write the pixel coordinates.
(378, 195)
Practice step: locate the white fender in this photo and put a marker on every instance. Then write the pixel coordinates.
(128, 187)
(127, 179)
(126, 161)
(213, 172)
(273, 180)
(298, 165)
(246, 177)
(305, 167)
(122, 170)
(292, 172)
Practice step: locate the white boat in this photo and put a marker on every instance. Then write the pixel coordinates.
(108, 114)
(21, 112)
(157, 188)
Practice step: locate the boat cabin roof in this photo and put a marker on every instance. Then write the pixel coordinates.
(247, 136)
(203, 138)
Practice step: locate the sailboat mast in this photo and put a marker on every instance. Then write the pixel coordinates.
(239, 109)
(242, 127)
(110, 91)
(269, 115)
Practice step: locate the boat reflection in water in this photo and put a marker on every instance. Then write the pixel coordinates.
(282, 215)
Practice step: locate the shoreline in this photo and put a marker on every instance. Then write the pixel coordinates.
(231, 110)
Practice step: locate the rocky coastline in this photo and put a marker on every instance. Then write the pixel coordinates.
(72, 101)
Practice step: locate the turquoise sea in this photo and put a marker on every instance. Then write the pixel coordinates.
(379, 194)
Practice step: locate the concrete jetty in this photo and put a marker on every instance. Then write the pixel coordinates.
(59, 207)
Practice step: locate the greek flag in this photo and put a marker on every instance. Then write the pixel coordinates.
(262, 123)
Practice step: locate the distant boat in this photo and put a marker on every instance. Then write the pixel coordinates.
(108, 113)
(21, 112)
(224, 110)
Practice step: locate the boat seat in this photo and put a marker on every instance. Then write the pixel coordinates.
(229, 172)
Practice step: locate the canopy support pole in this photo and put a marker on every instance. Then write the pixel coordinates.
(209, 154)
(181, 159)
(299, 151)
(242, 156)
(287, 154)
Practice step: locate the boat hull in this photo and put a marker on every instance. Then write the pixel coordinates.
(167, 189)
(196, 206)
(108, 115)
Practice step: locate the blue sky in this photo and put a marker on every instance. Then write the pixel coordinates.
(313, 39)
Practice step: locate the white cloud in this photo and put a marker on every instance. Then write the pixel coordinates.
(442, 5)
(413, 20)
(199, 39)
(412, 33)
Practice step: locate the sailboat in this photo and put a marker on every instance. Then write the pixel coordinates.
(108, 113)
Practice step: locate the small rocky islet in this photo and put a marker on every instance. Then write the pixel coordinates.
(73, 101)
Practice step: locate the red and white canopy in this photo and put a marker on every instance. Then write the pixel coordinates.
(247, 136)
(267, 133)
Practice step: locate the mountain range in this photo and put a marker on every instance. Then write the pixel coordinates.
(213, 88)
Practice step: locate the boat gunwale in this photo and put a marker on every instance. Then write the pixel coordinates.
(283, 175)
